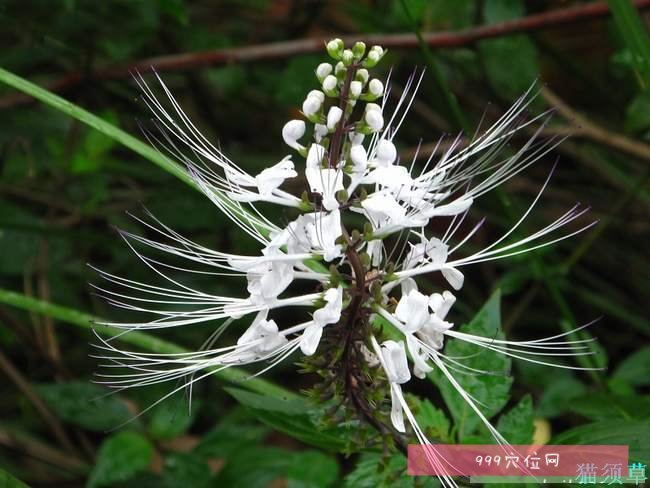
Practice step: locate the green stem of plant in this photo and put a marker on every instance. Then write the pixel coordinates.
(137, 339)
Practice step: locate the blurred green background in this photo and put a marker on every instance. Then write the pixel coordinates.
(63, 186)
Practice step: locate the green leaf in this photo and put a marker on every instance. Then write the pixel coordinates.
(635, 36)
(171, 418)
(237, 430)
(312, 469)
(510, 62)
(637, 115)
(492, 390)
(182, 470)
(120, 457)
(294, 417)
(259, 467)
(8, 481)
(372, 471)
(603, 406)
(85, 405)
(635, 369)
(431, 420)
(617, 432)
(517, 425)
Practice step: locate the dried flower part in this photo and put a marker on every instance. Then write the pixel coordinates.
(353, 172)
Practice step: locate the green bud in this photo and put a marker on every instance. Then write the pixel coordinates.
(347, 57)
(356, 235)
(335, 48)
(365, 259)
(358, 50)
(342, 196)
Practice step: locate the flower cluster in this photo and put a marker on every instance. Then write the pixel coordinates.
(360, 235)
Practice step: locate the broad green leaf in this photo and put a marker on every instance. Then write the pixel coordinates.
(602, 406)
(432, 420)
(8, 481)
(372, 471)
(510, 62)
(516, 425)
(491, 389)
(85, 404)
(312, 469)
(635, 36)
(237, 430)
(294, 417)
(637, 115)
(171, 418)
(633, 433)
(259, 467)
(120, 457)
(635, 369)
(186, 470)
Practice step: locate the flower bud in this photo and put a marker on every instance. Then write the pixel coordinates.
(376, 88)
(373, 117)
(362, 75)
(355, 89)
(329, 85)
(334, 48)
(359, 158)
(318, 94)
(359, 49)
(292, 131)
(311, 106)
(333, 117)
(374, 56)
(386, 152)
(323, 70)
(340, 70)
(347, 57)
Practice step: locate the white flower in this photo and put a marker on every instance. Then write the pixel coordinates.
(386, 153)
(324, 244)
(315, 156)
(328, 314)
(292, 131)
(326, 182)
(271, 178)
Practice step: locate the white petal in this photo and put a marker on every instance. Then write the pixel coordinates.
(359, 158)
(326, 182)
(292, 131)
(394, 356)
(386, 152)
(396, 414)
(310, 339)
(333, 117)
(454, 277)
(331, 312)
(450, 209)
(315, 156)
(413, 310)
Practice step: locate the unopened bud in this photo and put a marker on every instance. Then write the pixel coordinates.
(359, 157)
(323, 70)
(333, 117)
(359, 49)
(374, 56)
(386, 152)
(318, 94)
(311, 106)
(329, 85)
(347, 57)
(374, 119)
(320, 131)
(355, 89)
(340, 70)
(376, 88)
(334, 48)
(362, 75)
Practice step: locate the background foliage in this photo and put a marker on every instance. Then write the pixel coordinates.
(64, 185)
